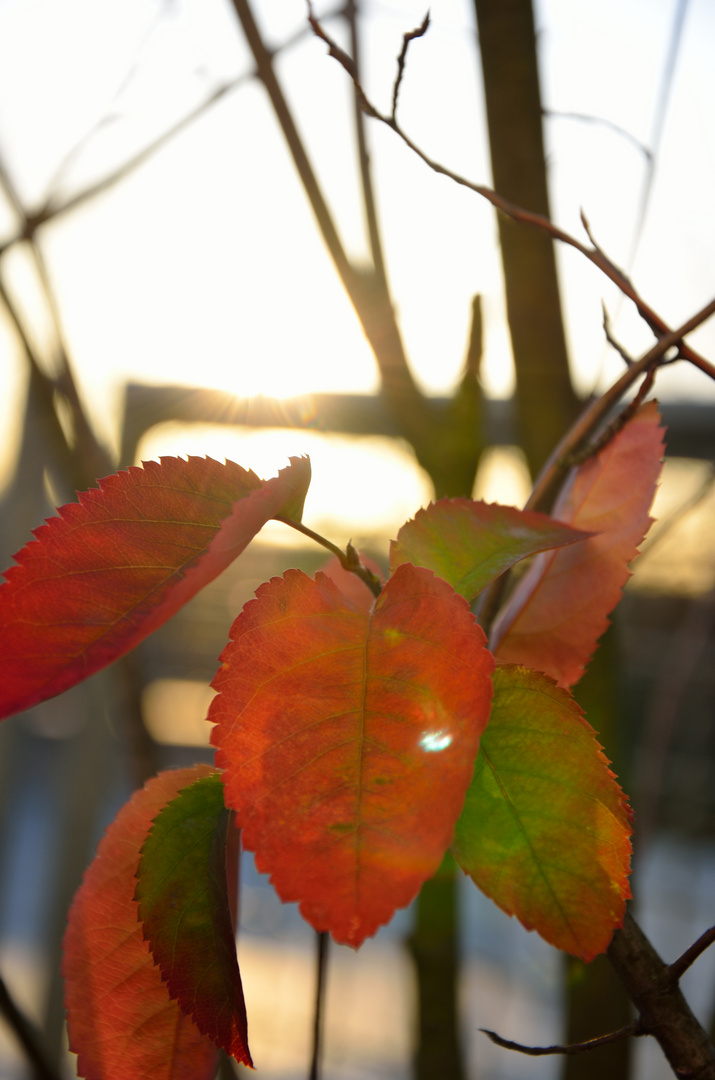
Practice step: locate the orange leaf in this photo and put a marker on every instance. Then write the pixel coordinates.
(560, 608)
(122, 1022)
(348, 738)
(116, 565)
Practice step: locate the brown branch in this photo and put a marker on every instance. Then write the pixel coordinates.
(517, 213)
(411, 35)
(365, 291)
(92, 459)
(616, 425)
(612, 341)
(571, 1048)
(688, 958)
(593, 416)
(368, 194)
(663, 1011)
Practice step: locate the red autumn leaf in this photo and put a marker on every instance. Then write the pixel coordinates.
(470, 543)
(560, 608)
(545, 830)
(114, 566)
(348, 738)
(122, 1022)
(182, 891)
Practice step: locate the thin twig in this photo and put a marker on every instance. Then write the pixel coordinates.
(26, 1035)
(626, 1032)
(349, 559)
(411, 35)
(681, 965)
(320, 981)
(368, 194)
(616, 425)
(625, 356)
(570, 449)
(664, 1012)
(517, 213)
(601, 121)
(553, 472)
(53, 208)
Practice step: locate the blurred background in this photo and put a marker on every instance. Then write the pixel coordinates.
(206, 249)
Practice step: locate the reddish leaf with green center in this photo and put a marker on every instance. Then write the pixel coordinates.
(122, 1022)
(183, 900)
(560, 608)
(470, 543)
(116, 565)
(349, 737)
(545, 830)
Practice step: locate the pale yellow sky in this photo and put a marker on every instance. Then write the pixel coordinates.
(204, 266)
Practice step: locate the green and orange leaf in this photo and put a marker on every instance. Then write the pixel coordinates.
(545, 830)
(560, 608)
(122, 1023)
(182, 893)
(111, 568)
(348, 738)
(470, 543)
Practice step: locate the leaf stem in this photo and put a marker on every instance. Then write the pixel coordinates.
(349, 559)
(321, 973)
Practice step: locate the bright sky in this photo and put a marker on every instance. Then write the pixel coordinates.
(204, 267)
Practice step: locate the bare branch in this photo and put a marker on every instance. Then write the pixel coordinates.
(551, 476)
(368, 194)
(53, 208)
(625, 356)
(411, 35)
(681, 965)
(664, 1012)
(616, 425)
(519, 214)
(601, 121)
(634, 1028)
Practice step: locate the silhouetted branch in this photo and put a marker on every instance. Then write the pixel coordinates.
(54, 208)
(368, 195)
(517, 213)
(600, 121)
(571, 1048)
(411, 35)
(322, 943)
(26, 1035)
(367, 292)
(625, 356)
